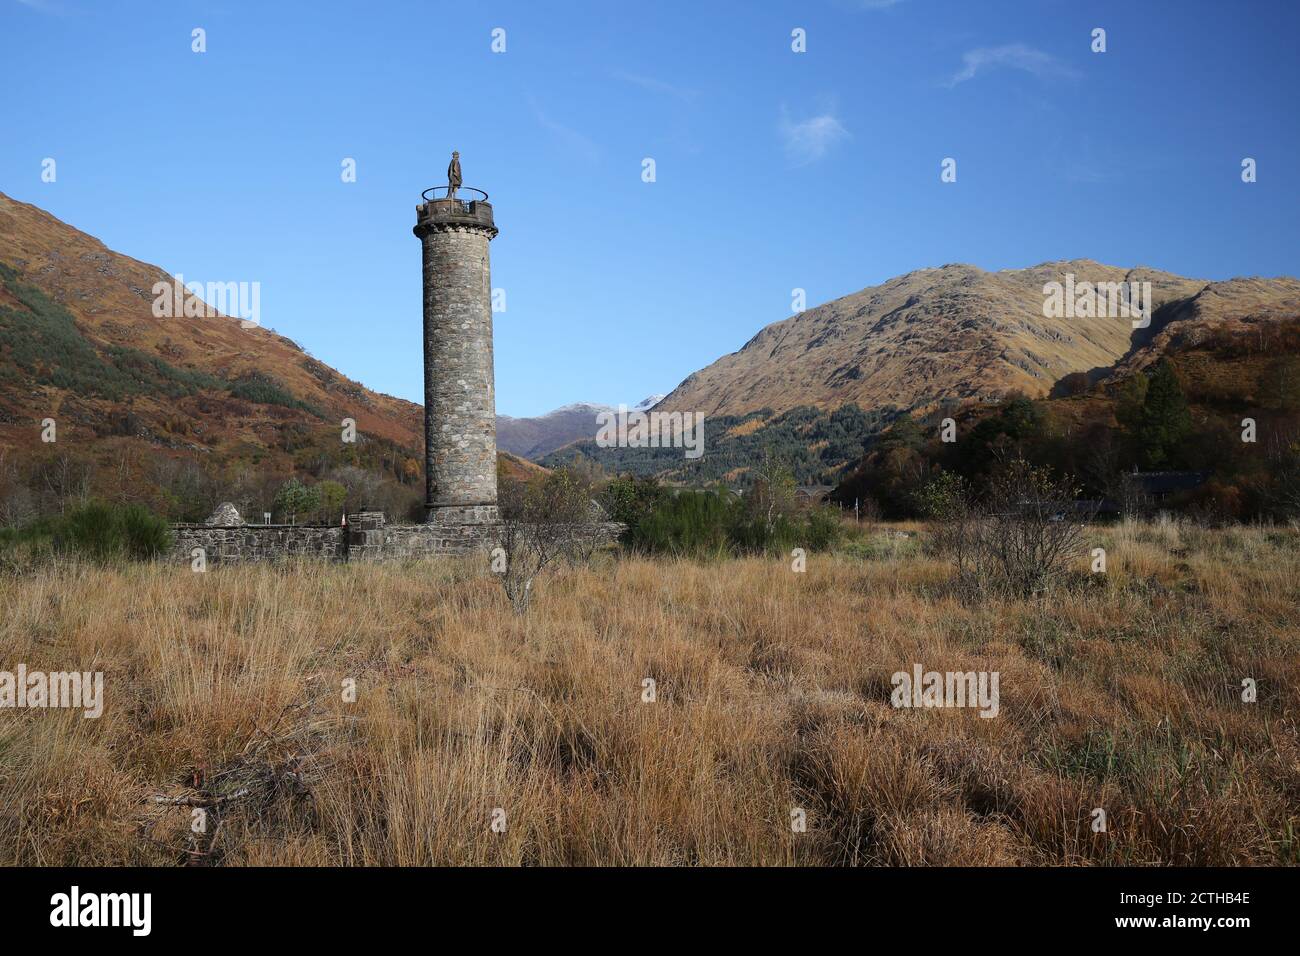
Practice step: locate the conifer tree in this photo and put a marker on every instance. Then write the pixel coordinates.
(1165, 421)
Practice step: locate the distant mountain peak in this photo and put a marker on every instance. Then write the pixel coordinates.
(538, 436)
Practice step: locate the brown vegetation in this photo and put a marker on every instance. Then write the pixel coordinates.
(225, 691)
(239, 408)
(960, 333)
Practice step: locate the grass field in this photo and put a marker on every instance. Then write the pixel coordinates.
(1120, 691)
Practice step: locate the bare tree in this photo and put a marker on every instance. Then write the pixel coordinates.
(771, 498)
(1021, 537)
(1032, 527)
(543, 522)
(17, 503)
(67, 478)
(1284, 466)
(1102, 465)
(947, 501)
(362, 486)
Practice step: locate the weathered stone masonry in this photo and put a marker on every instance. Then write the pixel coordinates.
(367, 537)
(460, 442)
(237, 544)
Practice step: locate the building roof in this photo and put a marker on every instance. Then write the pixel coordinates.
(814, 491)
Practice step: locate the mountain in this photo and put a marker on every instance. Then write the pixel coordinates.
(177, 412)
(1220, 311)
(534, 438)
(110, 300)
(1221, 432)
(951, 333)
(171, 411)
(818, 388)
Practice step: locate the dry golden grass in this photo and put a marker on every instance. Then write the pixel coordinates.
(1121, 691)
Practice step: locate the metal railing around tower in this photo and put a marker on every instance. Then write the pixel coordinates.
(439, 194)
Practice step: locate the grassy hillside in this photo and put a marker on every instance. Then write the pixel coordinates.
(953, 333)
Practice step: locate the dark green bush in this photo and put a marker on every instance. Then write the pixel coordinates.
(754, 535)
(687, 524)
(711, 524)
(101, 532)
(94, 530)
(148, 536)
(630, 499)
(824, 529)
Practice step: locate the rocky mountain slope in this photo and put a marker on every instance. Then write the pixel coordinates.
(536, 437)
(953, 333)
(1235, 309)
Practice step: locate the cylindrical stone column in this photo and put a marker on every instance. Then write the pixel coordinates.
(460, 429)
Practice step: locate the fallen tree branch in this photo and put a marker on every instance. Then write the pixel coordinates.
(202, 801)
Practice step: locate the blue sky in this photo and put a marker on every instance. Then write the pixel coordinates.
(775, 170)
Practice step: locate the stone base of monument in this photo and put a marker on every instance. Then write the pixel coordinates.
(462, 529)
(450, 515)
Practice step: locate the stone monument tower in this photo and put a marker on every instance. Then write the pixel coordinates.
(460, 431)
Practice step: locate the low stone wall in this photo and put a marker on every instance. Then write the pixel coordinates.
(367, 537)
(233, 545)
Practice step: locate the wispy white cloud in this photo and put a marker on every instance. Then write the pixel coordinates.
(1012, 56)
(654, 85)
(43, 6)
(573, 141)
(867, 4)
(807, 141)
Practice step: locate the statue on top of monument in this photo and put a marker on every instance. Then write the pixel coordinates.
(453, 175)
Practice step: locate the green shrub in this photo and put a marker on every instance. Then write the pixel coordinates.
(824, 530)
(96, 530)
(630, 499)
(754, 535)
(148, 536)
(707, 524)
(687, 524)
